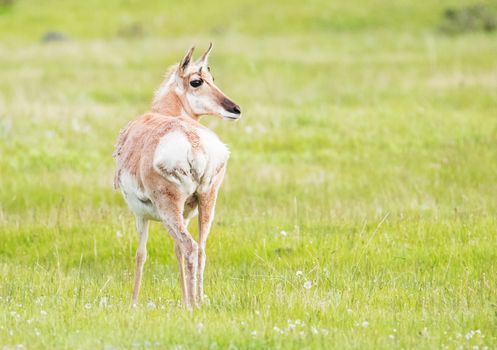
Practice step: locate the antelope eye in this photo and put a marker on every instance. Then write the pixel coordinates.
(196, 83)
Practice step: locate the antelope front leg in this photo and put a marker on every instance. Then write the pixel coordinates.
(206, 205)
(187, 253)
(141, 256)
(200, 273)
(181, 264)
(190, 252)
(202, 257)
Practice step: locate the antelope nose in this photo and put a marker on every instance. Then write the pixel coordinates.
(230, 106)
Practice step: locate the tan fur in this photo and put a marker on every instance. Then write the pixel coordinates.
(156, 188)
(171, 103)
(140, 138)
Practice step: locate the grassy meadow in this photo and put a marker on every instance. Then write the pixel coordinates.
(358, 210)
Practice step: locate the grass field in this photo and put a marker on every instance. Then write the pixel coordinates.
(364, 168)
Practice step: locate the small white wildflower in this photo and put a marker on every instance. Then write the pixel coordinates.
(200, 327)
(324, 331)
(308, 285)
(150, 305)
(43, 313)
(299, 273)
(276, 329)
(254, 333)
(391, 336)
(30, 320)
(322, 304)
(119, 234)
(283, 233)
(87, 306)
(472, 333)
(394, 330)
(298, 322)
(37, 332)
(314, 330)
(302, 333)
(103, 302)
(257, 312)
(249, 129)
(20, 346)
(349, 311)
(291, 326)
(365, 324)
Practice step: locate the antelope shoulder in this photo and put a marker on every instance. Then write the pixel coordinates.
(190, 159)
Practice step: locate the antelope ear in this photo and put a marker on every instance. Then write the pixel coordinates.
(204, 59)
(186, 61)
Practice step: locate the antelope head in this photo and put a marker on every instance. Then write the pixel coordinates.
(195, 87)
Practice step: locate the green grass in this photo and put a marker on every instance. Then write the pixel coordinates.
(368, 136)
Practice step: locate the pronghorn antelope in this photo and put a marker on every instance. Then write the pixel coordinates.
(170, 167)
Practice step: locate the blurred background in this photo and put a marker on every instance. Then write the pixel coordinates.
(366, 157)
(376, 103)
